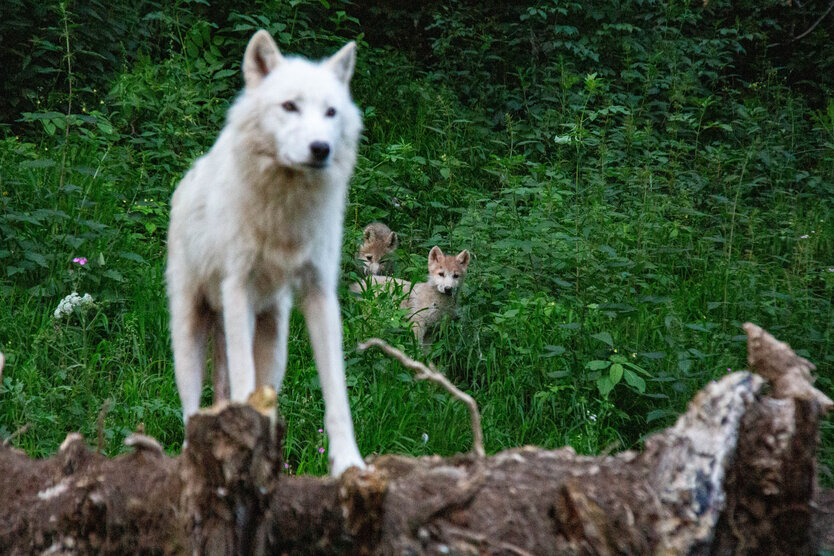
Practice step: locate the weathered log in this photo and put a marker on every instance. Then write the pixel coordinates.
(735, 474)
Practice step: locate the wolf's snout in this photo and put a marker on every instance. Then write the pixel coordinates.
(320, 150)
(448, 289)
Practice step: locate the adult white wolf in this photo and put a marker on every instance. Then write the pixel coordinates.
(257, 221)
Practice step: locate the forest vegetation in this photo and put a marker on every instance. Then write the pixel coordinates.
(634, 180)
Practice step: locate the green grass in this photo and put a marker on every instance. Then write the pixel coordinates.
(625, 216)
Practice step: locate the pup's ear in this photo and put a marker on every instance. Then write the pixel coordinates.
(435, 255)
(463, 258)
(368, 233)
(342, 62)
(261, 57)
(392, 240)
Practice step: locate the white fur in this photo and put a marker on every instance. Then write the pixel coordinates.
(257, 221)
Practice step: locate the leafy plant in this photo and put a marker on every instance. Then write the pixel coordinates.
(636, 176)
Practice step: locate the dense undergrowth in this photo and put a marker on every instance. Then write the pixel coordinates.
(633, 182)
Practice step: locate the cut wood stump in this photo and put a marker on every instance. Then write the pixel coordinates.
(735, 474)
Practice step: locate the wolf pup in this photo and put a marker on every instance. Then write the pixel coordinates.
(436, 298)
(258, 220)
(378, 243)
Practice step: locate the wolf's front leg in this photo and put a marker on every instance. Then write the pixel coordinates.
(220, 366)
(239, 326)
(271, 335)
(324, 324)
(419, 329)
(189, 331)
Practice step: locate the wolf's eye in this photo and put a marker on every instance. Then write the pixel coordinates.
(369, 257)
(455, 275)
(290, 106)
(441, 274)
(330, 112)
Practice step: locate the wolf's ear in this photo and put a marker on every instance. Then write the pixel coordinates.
(261, 57)
(392, 240)
(463, 258)
(368, 233)
(435, 255)
(342, 62)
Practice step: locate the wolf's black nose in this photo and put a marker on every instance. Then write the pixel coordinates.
(449, 289)
(320, 150)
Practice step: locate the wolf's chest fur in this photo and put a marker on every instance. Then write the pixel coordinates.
(427, 305)
(288, 214)
(292, 222)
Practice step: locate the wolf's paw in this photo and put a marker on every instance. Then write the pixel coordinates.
(339, 462)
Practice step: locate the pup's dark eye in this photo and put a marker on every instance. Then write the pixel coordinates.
(454, 275)
(441, 274)
(290, 106)
(369, 257)
(330, 112)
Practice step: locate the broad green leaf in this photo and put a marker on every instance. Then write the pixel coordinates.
(552, 351)
(615, 373)
(39, 163)
(637, 368)
(597, 364)
(222, 74)
(37, 258)
(605, 386)
(659, 414)
(635, 381)
(604, 337)
(73, 241)
(133, 257)
(114, 275)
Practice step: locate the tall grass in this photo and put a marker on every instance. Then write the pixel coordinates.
(627, 209)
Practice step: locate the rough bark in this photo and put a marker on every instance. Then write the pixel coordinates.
(735, 474)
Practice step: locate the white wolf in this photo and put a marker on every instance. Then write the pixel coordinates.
(257, 220)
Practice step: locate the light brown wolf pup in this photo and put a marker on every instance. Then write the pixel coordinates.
(378, 244)
(427, 302)
(436, 298)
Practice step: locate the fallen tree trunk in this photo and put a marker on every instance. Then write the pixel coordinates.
(736, 473)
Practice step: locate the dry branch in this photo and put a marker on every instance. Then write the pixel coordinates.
(423, 372)
(814, 25)
(735, 474)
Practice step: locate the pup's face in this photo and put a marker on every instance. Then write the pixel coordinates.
(304, 108)
(375, 249)
(446, 272)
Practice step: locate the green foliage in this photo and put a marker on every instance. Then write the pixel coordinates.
(633, 180)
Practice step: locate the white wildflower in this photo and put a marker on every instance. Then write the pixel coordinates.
(425, 438)
(70, 302)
